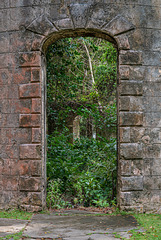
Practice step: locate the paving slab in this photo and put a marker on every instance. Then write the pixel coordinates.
(10, 226)
(79, 226)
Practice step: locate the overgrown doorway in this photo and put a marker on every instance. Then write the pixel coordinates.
(82, 122)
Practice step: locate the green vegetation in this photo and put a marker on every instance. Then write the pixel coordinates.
(151, 224)
(82, 119)
(15, 214)
(82, 173)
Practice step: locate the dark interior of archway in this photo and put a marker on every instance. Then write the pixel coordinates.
(82, 123)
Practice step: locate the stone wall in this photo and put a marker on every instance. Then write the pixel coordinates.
(27, 28)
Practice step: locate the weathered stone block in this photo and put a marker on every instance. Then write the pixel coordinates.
(132, 183)
(152, 167)
(152, 104)
(123, 42)
(132, 88)
(4, 4)
(136, 134)
(35, 75)
(36, 135)
(29, 198)
(131, 167)
(29, 90)
(64, 23)
(152, 151)
(31, 184)
(36, 105)
(23, 16)
(124, 103)
(124, 72)
(23, 168)
(131, 118)
(153, 74)
(29, 120)
(152, 182)
(131, 103)
(118, 25)
(151, 58)
(42, 25)
(130, 57)
(13, 91)
(153, 134)
(10, 183)
(131, 151)
(35, 168)
(137, 73)
(20, 106)
(4, 42)
(5, 17)
(124, 134)
(152, 89)
(125, 198)
(30, 151)
(152, 119)
(9, 151)
(21, 76)
(80, 13)
(5, 77)
(24, 41)
(4, 60)
(9, 136)
(125, 167)
(31, 59)
(56, 12)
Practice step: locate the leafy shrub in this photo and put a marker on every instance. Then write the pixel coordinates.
(83, 172)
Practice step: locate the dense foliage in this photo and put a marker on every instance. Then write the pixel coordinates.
(81, 81)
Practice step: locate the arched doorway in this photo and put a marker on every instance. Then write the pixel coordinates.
(82, 121)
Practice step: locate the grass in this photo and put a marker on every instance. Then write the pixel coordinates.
(152, 225)
(16, 214)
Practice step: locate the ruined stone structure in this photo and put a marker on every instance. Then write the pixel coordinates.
(27, 28)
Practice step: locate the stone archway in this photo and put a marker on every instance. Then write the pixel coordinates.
(23, 81)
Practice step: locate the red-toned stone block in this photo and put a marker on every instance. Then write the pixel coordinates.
(35, 75)
(31, 184)
(3, 91)
(5, 76)
(31, 59)
(30, 151)
(10, 183)
(29, 120)
(5, 164)
(13, 91)
(21, 75)
(36, 105)
(36, 135)
(10, 135)
(9, 151)
(35, 168)
(23, 168)
(20, 106)
(4, 60)
(30, 90)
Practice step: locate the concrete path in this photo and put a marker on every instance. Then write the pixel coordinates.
(11, 226)
(71, 225)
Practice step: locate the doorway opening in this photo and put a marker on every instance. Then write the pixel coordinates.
(81, 123)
